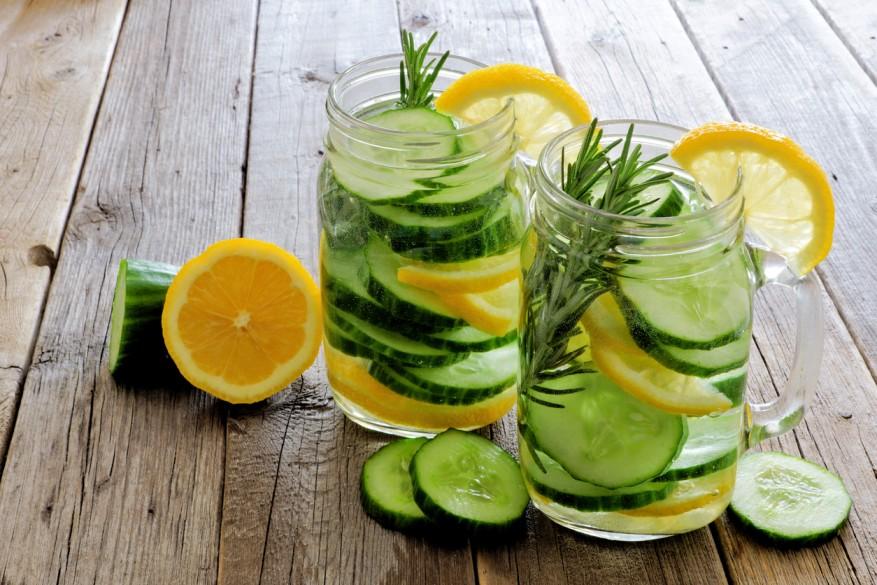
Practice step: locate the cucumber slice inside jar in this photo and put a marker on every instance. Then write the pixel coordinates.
(602, 435)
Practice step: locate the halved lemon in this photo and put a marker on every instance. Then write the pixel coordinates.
(472, 276)
(242, 320)
(545, 104)
(619, 358)
(350, 379)
(494, 311)
(787, 197)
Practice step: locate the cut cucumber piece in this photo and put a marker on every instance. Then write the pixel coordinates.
(665, 199)
(343, 273)
(701, 362)
(416, 120)
(479, 376)
(456, 201)
(400, 223)
(788, 500)
(602, 435)
(468, 339)
(557, 485)
(388, 375)
(732, 384)
(372, 183)
(388, 344)
(402, 299)
(502, 230)
(712, 444)
(385, 487)
(136, 345)
(462, 479)
(702, 311)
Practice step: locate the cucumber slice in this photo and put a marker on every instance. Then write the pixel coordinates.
(462, 479)
(602, 435)
(136, 345)
(665, 199)
(400, 223)
(417, 120)
(732, 384)
(701, 362)
(343, 273)
(557, 485)
(388, 375)
(385, 487)
(468, 339)
(372, 183)
(712, 444)
(388, 344)
(702, 311)
(477, 377)
(456, 200)
(501, 230)
(402, 299)
(788, 500)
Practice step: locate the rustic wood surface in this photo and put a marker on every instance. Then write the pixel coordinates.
(168, 125)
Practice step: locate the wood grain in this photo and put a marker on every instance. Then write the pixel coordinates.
(291, 511)
(53, 64)
(805, 83)
(856, 25)
(504, 30)
(107, 484)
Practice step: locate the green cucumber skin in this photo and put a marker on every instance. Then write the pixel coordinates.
(415, 235)
(389, 375)
(142, 351)
(672, 206)
(601, 503)
(456, 346)
(723, 462)
(645, 334)
(384, 517)
(446, 519)
(485, 200)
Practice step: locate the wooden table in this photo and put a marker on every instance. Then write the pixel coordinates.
(150, 128)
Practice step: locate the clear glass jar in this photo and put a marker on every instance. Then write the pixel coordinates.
(635, 338)
(420, 328)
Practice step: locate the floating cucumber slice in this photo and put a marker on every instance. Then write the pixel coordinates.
(462, 479)
(556, 484)
(602, 435)
(457, 200)
(789, 500)
(712, 444)
(382, 342)
(401, 223)
(702, 311)
(732, 384)
(388, 375)
(402, 299)
(385, 487)
(468, 339)
(701, 362)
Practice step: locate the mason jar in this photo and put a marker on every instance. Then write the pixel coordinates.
(635, 335)
(419, 256)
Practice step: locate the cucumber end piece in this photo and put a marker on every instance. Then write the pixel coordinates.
(117, 317)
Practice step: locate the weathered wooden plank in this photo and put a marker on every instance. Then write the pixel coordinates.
(753, 62)
(107, 484)
(856, 24)
(52, 70)
(783, 67)
(499, 31)
(291, 511)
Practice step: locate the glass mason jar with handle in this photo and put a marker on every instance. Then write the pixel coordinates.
(421, 219)
(635, 336)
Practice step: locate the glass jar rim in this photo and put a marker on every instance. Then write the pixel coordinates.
(575, 209)
(337, 113)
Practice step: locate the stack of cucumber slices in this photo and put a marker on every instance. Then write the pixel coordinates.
(455, 482)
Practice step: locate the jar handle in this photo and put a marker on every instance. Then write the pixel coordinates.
(782, 414)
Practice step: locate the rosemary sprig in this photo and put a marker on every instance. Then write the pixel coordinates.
(566, 277)
(415, 78)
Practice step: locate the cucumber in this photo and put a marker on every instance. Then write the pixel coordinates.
(457, 200)
(501, 231)
(463, 480)
(388, 375)
(418, 120)
(343, 273)
(602, 435)
(712, 444)
(479, 376)
(732, 384)
(700, 362)
(702, 311)
(556, 484)
(664, 199)
(372, 183)
(342, 215)
(788, 500)
(375, 341)
(400, 223)
(402, 299)
(385, 487)
(136, 345)
(468, 339)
